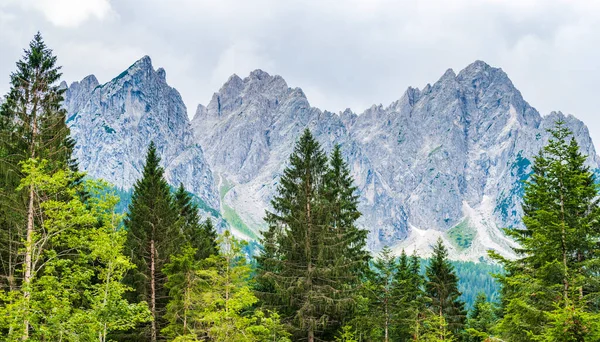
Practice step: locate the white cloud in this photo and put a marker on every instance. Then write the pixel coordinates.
(67, 13)
(351, 53)
(241, 58)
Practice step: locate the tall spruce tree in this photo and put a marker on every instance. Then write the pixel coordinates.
(554, 277)
(153, 233)
(32, 125)
(482, 320)
(385, 302)
(201, 236)
(441, 287)
(342, 202)
(350, 256)
(312, 243)
(410, 298)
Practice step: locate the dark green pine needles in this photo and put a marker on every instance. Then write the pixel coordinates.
(441, 287)
(313, 252)
(551, 291)
(32, 125)
(153, 235)
(202, 236)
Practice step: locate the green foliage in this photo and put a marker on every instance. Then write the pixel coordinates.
(476, 277)
(236, 222)
(434, 328)
(76, 291)
(313, 253)
(153, 234)
(32, 125)
(550, 291)
(384, 302)
(571, 324)
(211, 299)
(346, 335)
(183, 281)
(442, 289)
(410, 297)
(230, 215)
(68, 272)
(482, 320)
(201, 236)
(462, 234)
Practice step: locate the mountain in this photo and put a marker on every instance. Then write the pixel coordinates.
(444, 161)
(447, 160)
(113, 124)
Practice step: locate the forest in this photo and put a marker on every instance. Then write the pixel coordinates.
(78, 265)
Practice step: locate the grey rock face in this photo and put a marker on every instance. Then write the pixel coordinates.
(113, 124)
(78, 94)
(444, 161)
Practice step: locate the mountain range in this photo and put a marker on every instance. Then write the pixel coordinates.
(448, 160)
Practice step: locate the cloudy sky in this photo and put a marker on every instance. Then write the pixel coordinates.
(350, 53)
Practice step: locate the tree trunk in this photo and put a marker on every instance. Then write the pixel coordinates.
(29, 246)
(311, 332)
(28, 260)
(387, 320)
(564, 247)
(579, 260)
(152, 292)
(441, 324)
(187, 302)
(417, 325)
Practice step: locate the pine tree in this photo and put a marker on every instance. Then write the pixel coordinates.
(212, 299)
(482, 319)
(554, 276)
(350, 256)
(201, 236)
(342, 202)
(184, 284)
(32, 125)
(153, 234)
(442, 289)
(385, 268)
(312, 255)
(409, 296)
(268, 265)
(434, 328)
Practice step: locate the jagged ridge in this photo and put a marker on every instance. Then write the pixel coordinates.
(445, 161)
(113, 124)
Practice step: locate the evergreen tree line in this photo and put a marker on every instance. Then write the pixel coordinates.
(73, 269)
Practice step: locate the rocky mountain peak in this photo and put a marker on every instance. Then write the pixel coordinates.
(141, 72)
(79, 92)
(446, 161)
(259, 74)
(113, 124)
(234, 84)
(162, 74)
(479, 76)
(144, 63)
(200, 112)
(449, 74)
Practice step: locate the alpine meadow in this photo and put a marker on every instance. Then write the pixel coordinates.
(457, 213)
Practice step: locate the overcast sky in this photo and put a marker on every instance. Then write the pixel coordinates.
(346, 53)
